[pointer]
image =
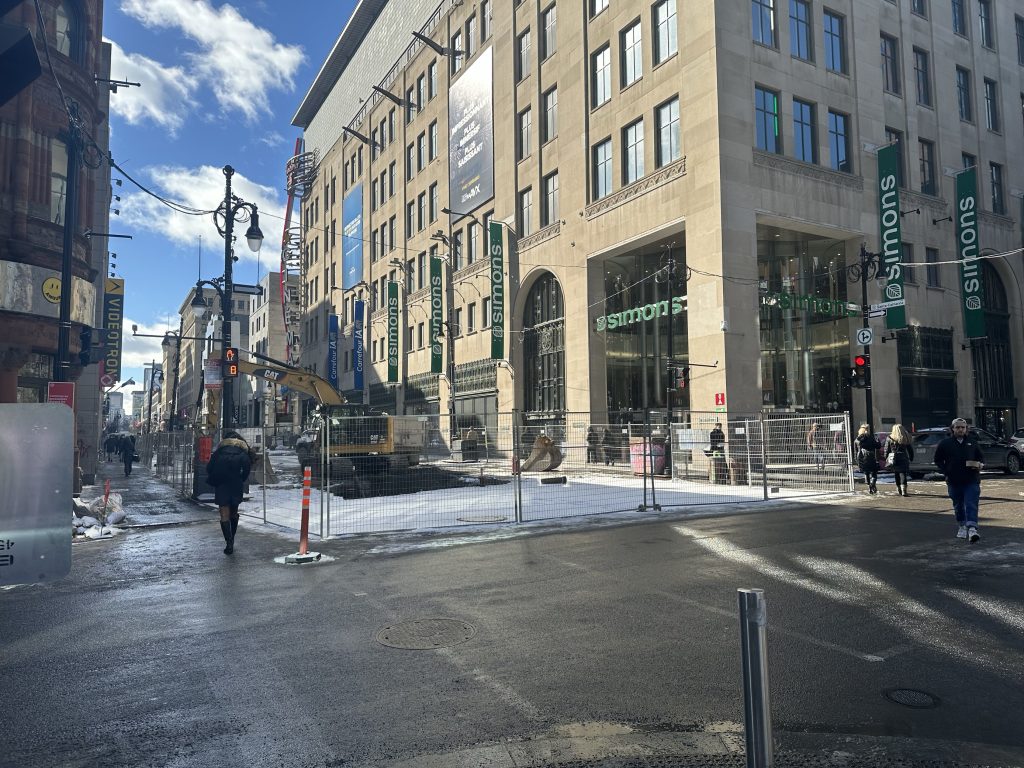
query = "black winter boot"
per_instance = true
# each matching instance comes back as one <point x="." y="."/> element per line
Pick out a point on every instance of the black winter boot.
<point x="229" y="536"/>
<point x="234" y="528"/>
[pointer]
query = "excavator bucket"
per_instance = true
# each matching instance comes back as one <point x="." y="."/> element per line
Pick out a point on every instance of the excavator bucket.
<point x="544" y="457"/>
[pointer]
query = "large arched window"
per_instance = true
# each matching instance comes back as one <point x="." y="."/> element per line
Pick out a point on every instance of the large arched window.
<point x="68" y="30"/>
<point x="992" y="356"/>
<point x="544" y="346"/>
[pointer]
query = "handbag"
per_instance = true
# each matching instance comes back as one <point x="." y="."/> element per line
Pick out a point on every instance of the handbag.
<point x="135" y="458"/>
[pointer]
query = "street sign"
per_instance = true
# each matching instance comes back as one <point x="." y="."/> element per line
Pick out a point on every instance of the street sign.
<point x="61" y="392"/>
<point x="889" y="304"/>
<point x="865" y="336"/>
<point x="248" y="290"/>
<point x="877" y="313"/>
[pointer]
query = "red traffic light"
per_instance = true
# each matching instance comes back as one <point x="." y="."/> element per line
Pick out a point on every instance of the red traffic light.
<point x="860" y="360"/>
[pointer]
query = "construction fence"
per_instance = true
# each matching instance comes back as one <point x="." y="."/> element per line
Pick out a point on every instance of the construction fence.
<point x="387" y="473"/>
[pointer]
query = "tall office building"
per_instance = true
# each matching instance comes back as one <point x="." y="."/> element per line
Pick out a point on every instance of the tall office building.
<point x="676" y="186"/>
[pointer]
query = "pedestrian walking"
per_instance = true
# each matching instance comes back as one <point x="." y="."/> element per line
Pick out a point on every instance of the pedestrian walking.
<point x="227" y="470"/>
<point x="867" y="447"/>
<point x="898" y="454"/>
<point x="960" y="459"/>
<point x="593" y="441"/>
<point x="716" y="440"/>
<point x="611" y="446"/>
<point x="815" y="447"/>
<point x="127" y="451"/>
<point x="110" y="446"/>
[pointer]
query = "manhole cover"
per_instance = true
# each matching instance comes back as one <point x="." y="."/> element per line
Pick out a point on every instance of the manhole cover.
<point x="424" y="634"/>
<point x="909" y="697"/>
<point x="483" y="519"/>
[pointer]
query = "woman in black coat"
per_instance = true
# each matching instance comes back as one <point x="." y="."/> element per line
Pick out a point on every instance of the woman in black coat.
<point x="867" y="447"/>
<point x="227" y="470"/>
<point x="127" y="451"/>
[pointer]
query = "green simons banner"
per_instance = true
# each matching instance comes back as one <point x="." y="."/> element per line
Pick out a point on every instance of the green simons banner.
<point x="392" y="332"/>
<point x="436" y="315"/>
<point x="890" y="237"/>
<point x="967" y="251"/>
<point x="497" y="251"/>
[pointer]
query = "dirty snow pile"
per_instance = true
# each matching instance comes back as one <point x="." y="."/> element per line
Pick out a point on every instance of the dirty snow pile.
<point x="98" y="518"/>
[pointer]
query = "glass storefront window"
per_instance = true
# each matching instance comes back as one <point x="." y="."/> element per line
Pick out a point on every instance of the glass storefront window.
<point x="635" y="324"/>
<point x="804" y="318"/>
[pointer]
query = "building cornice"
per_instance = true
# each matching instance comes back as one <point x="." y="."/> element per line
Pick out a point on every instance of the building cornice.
<point x="808" y="171"/>
<point x="640" y="187"/>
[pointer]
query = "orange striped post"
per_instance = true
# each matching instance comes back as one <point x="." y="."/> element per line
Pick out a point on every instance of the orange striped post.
<point x="304" y="555"/>
<point x="307" y="479"/>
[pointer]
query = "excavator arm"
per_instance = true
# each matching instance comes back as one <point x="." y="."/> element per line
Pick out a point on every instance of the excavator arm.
<point x="301" y="381"/>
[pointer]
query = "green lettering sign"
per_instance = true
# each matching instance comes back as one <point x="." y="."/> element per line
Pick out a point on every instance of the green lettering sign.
<point x="890" y="237"/>
<point x="971" y="288"/>
<point x="497" y="270"/>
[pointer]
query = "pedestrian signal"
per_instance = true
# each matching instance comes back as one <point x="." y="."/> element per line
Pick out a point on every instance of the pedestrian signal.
<point x="231" y="363"/>
<point x="85" y="347"/>
<point x="682" y="377"/>
<point x="859" y="372"/>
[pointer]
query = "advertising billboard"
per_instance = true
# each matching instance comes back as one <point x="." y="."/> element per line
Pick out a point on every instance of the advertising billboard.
<point x="471" y="136"/>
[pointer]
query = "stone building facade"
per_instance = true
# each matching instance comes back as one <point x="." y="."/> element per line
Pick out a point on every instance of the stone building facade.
<point x="33" y="190"/>
<point x="680" y="186"/>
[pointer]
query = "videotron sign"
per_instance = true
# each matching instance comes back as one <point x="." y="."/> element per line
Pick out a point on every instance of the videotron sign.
<point x="113" y="319"/>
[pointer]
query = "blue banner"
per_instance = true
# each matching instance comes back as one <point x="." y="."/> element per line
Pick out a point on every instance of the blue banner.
<point x="352" y="237"/>
<point x="332" y="350"/>
<point x="357" y="346"/>
<point x="471" y="137"/>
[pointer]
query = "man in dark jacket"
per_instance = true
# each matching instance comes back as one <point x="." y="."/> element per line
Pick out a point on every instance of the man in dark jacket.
<point x="960" y="459"/>
<point x="127" y="451"/>
<point x="227" y="471"/>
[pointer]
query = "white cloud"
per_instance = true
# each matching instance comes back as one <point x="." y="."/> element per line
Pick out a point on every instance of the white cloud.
<point x="237" y="59"/>
<point x="272" y="139"/>
<point x="138" y="352"/>
<point x="201" y="188"/>
<point x="164" y="96"/>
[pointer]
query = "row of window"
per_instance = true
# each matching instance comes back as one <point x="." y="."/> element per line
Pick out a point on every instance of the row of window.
<point x="631" y="59"/>
<point x="417" y="336"/>
<point x="765" y="29"/>
<point x="893" y="83"/>
<point x="667" y="149"/>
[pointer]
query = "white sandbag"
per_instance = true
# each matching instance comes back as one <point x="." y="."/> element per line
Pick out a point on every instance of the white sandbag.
<point x="89" y="521"/>
<point x="116" y="517"/>
<point x="79" y="507"/>
<point x="96" y="532"/>
<point x="76" y="521"/>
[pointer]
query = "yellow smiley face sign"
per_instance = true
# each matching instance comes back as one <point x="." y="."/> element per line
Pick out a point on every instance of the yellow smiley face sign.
<point x="51" y="289"/>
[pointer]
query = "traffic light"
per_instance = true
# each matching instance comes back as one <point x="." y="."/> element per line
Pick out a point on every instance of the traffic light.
<point x="231" y="363"/>
<point x="85" y="347"/>
<point x="682" y="377"/>
<point x="859" y="374"/>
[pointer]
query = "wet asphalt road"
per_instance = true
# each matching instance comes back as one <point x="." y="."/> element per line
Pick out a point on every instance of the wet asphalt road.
<point x="158" y="650"/>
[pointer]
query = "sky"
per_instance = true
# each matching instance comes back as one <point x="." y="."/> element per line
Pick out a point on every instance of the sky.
<point x="220" y="83"/>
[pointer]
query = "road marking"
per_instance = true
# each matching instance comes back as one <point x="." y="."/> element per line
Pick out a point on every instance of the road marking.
<point x="505" y="692"/>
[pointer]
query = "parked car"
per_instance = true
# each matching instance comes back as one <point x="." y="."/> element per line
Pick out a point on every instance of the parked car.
<point x="1017" y="438"/>
<point x="999" y="453"/>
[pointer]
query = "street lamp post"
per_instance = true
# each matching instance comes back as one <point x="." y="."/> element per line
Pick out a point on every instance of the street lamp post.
<point x="166" y="343"/>
<point x="868" y="267"/>
<point x="224" y="218"/>
<point x="149" y="407"/>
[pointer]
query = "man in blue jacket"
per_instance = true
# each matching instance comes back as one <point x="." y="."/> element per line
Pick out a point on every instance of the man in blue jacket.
<point x="960" y="459"/>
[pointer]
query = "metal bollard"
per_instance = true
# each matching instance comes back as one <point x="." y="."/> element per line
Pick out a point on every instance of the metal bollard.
<point x="757" y="712"/>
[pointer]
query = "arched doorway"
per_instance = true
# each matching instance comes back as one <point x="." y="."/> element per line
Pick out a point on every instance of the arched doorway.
<point x="544" y="350"/>
<point x="994" y="395"/>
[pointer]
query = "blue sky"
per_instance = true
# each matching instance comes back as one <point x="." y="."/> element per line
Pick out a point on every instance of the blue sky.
<point x="220" y="83"/>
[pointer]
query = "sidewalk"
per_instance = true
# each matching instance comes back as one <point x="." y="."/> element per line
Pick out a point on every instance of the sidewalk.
<point x="147" y="500"/>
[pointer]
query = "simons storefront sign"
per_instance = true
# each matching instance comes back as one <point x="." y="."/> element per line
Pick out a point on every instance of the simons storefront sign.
<point x="971" y="288"/>
<point x="890" y="235"/>
<point x="835" y="307"/>
<point x="638" y="314"/>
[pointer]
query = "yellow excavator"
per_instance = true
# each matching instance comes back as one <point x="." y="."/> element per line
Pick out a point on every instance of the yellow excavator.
<point x="355" y="431"/>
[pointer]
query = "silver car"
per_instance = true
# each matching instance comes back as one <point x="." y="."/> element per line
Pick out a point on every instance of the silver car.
<point x="999" y="453"/>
